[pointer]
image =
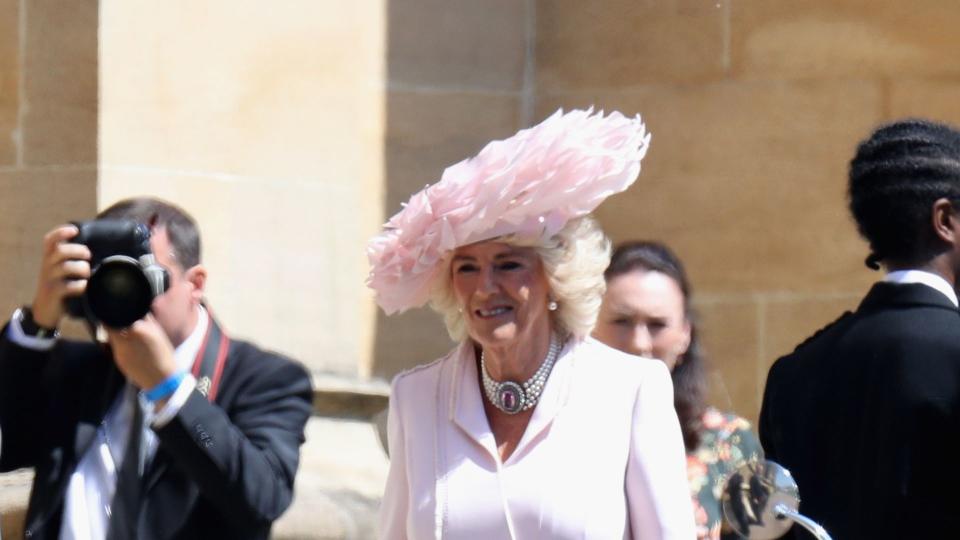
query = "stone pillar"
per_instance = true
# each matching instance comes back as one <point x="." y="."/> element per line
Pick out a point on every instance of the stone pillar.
<point x="265" y="121"/>
<point x="48" y="131"/>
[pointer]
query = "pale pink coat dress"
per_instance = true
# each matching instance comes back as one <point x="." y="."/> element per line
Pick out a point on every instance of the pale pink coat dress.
<point x="602" y="456"/>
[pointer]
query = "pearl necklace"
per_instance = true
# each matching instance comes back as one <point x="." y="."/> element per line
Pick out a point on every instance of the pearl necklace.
<point x="511" y="397"/>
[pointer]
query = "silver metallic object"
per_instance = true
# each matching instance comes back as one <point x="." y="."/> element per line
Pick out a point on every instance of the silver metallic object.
<point x="760" y="502"/>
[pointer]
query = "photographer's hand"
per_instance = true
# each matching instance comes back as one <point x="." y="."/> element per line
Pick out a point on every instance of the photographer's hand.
<point x="143" y="353"/>
<point x="64" y="270"/>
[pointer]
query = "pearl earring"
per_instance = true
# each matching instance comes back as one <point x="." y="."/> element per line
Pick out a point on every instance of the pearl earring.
<point x="552" y="305"/>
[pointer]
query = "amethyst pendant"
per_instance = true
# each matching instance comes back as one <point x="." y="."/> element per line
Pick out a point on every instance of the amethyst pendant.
<point x="510" y="397"/>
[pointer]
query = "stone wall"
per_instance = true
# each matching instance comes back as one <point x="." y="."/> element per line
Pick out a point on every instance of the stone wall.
<point x="266" y="122"/>
<point x="257" y="121"/>
<point x="48" y="131"/>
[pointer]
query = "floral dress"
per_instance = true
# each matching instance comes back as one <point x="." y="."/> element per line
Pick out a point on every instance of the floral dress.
<point x="726" y="443"/>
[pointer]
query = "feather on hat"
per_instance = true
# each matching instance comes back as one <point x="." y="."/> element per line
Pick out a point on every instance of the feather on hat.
<point x="528" y="185"/>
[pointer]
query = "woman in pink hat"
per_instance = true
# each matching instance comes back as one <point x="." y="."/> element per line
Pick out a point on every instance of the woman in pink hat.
<point x="528" y="428"/>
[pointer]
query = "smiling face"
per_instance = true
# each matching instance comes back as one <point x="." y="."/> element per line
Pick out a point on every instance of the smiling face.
<point x="503" y="292"/>
<point x="643" y="314"/>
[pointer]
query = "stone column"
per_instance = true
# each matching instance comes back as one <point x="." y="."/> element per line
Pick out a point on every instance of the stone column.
<point x="265" y="121"/>
<point x="48" y="131"/>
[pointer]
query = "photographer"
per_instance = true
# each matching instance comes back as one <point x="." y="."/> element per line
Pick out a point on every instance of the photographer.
<point x="222" y="421"/>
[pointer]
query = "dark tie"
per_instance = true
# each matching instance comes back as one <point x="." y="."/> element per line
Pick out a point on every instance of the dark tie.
<point x="126" y="500"/>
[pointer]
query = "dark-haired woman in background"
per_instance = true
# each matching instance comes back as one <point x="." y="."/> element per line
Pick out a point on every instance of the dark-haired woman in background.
<point x="647" y="312"/>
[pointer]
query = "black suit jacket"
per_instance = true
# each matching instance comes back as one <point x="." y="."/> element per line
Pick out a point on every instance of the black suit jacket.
<point x="866" y="415"/>
<point x="222" y="470"/>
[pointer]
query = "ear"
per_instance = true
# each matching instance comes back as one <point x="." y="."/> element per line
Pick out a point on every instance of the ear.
<point x="946" y="224"/>
<point x="197" y="276"/>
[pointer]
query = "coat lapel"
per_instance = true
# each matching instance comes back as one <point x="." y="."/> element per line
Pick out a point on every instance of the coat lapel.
<point x="552" y="399"/>
<point x="466" y="402"/>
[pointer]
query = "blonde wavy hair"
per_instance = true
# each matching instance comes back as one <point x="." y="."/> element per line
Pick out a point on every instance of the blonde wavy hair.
<point x="573" y="260"/>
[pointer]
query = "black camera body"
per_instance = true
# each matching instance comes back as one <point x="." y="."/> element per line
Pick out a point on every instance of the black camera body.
<point x="125" y="276"/>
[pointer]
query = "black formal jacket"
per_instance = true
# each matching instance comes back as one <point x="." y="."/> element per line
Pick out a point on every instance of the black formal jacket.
<point x="222" y="470"/>
<point x="866" y="415"/>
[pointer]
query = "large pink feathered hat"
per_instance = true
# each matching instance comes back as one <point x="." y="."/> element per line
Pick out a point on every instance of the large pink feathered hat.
<point x="527" y="186"/>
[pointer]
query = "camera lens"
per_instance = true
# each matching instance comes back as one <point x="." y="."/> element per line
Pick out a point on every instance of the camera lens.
<point x="118" y="293"/>
<point x="119" y="282"/>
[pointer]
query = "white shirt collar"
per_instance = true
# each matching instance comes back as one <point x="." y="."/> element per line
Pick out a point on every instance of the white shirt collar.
<point x="927" y="278"/>
<point x="186" y="352"/>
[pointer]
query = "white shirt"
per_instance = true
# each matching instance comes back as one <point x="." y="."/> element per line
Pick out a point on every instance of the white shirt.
<point x="94" y="481"/>
<point x="602" y="455"/>
<point x="927" y="278"/>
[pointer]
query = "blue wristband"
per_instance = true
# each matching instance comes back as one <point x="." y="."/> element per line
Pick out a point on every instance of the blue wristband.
<point x="165" y="388"/>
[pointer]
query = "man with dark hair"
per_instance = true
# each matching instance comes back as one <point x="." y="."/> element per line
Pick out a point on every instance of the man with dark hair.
<point x="170" y="429"/>
<point x="866" y="413"/>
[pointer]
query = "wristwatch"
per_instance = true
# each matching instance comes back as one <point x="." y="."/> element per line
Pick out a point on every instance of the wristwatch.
<point x="32" y="329"/>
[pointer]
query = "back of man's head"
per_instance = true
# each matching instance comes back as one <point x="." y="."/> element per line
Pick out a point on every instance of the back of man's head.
<point x="895" y="177"/>
<point x="180" y="227"/>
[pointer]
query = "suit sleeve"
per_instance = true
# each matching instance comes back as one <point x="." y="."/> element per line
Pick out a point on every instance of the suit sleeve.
<point x="658" y="495"/>
<point x="393" y="509"/>
<point x="22" y="403"/>
<point x="43" y="394"/>
<point x="245" y="463"/>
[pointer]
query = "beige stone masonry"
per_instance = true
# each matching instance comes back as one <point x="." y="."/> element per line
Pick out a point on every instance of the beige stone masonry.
<point x="843" y="39"/>
<point x="936" y="99"/>
<point x="59" y="124"/>
<point x="32" y="202"/>
<point x="429" y="131"/>
<point x="791" y="320"/>
<point x="621" y="43"/>
<point x="9" y="80"/>
<point x="746" y="181"/>
<point x="457" y="44"/>
<point x="730" y="335"/>
<point x="412" y="338"/>
<point x="265" y="125"/>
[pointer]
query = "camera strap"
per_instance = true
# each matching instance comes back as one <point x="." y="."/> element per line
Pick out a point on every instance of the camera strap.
<point x="208" y="366"/>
